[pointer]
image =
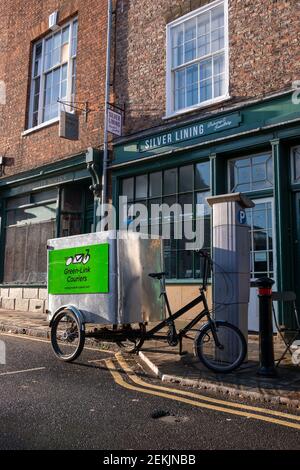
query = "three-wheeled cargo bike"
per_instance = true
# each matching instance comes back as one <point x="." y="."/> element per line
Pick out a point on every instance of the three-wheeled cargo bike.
<point x="110" y="286"/>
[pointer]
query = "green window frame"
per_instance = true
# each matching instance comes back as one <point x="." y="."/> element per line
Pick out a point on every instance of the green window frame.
<point x="186" y="184"/>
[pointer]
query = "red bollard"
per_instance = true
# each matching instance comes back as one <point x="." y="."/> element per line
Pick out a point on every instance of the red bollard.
<point x="266" y="346"/>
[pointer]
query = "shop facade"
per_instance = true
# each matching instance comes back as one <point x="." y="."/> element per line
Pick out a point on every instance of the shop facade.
<point x="252" y="148"/>
<point x="52" y="201"/>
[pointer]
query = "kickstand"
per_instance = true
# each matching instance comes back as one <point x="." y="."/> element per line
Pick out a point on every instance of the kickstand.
<point x="181" y="353"/>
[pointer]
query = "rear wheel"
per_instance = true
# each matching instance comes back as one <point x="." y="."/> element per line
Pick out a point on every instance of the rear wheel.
<point x="67" y="336"/>
<point x="135" y="337"/>
<point x="221" y="346"/>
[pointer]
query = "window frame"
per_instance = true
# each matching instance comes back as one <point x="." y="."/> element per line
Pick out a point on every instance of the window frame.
<point x="294" y="181"/>
<point x="42" y="123"/>
<point x="170" y="82"/>
<point x="245" y="157"/>
<point x="176" y="194"/>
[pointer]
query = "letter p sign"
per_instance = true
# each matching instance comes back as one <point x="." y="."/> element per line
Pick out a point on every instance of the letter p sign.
<point x="242" y="217"/>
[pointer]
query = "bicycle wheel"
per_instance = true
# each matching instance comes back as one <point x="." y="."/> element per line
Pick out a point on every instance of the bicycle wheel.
<point x="135" y="338"/>
<point x="229" y="354"/>
<point x="67" y="336"/>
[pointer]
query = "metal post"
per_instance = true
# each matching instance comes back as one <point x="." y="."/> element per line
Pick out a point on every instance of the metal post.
<point x="107" y="95"/>
<point x="266" y="346"/>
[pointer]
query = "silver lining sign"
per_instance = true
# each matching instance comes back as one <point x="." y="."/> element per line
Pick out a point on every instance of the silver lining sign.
<point x="193" y="131"/>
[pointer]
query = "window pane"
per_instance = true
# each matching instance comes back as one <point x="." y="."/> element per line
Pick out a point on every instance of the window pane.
<point x="217" y="40"/>
<point x="170" y="179"/>
<point x="185" y="264"/>
<point x="205" y="90"/>
<point x="249" y="174"/>
<point x="204" y="34"/>
<point x="203" y="45"/>
<point x="65" y="35"/>
<point x="219" y="85"/>
<point x="186" y="203"/>
<point x="192" y="85"/>
<point x="296" y="157"/>
<point x="155" y="188"/>
<point x="205" y="69"/>
<point x="186" y="178"/>
<point x="74" y="71"/>
<point x="127" y="188"/>
<point x="179" y="99"/>
<point x="170" y="264"/>
<point x="74" y="38"/>
<point x="141" y="186"/>
<point x="204" y="24"/>
<point x="217" y="18"/>
<point x="219" y="64"/>
<point x="202" y="208"/>
<point x="202" y="175"/>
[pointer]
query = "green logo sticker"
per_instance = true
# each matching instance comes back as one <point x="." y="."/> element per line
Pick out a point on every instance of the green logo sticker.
<point x="81" y="270"/>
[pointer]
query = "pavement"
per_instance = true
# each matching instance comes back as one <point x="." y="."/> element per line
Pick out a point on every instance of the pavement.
<point x="106" y="401"/>
<point x="164" y="362"/>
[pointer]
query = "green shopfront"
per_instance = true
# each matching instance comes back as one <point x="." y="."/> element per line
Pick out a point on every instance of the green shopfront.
<point x="51" y="201"/>
<point x="254" y="149"/>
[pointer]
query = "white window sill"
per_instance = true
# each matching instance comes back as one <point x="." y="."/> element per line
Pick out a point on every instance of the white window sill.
<point x="206" y="104"/>
<point x="40" y="126"/>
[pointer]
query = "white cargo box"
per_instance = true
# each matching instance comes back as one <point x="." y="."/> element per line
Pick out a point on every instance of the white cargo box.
<point x="105" y="275"/>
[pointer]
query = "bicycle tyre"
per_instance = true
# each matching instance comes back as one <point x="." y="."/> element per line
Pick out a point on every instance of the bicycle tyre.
<point x="131" y="347"/>
<point x="55" y="342"/>
<point x="205" y="332"/>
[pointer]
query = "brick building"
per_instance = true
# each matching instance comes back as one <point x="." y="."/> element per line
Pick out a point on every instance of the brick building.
<point x="208" y="92"/>
<point x="44" y="183"/>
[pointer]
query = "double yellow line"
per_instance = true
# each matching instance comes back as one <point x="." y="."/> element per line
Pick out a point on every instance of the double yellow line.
<point x="195" y="399"/>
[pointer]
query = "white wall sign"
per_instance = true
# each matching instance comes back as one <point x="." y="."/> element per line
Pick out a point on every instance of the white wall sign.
<point x="114" y="122"/>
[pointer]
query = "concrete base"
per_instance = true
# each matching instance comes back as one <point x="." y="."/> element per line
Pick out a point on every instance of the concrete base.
<point x="24" y="299"/>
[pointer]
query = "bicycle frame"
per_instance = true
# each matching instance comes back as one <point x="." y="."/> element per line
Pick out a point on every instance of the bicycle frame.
<point x="172" y="317"/>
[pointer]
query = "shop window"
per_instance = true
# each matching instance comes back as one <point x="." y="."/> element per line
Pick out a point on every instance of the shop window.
<point x="197" y="58"/>
<point x="296" y="165"/>
<point x="53" y="73"/>
<point x="30" y="222"/>
<point x="252" y="173"/>
<point x="186" y="185"/>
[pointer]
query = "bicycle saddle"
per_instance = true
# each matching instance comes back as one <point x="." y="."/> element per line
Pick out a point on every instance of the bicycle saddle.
<point x="157" y="275"/>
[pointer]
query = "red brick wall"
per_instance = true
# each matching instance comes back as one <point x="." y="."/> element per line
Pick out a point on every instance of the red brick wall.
<point x="264" y="39"/>
<point x="27" y="22"/>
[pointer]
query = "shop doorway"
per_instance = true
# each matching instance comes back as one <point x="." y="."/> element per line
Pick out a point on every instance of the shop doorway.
<point x="297" y="248"/>
<point x="77" y="209"/>
<point x="263" y="251"/>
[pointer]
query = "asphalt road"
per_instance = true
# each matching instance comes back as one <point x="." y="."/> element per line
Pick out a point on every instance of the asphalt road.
<point x="47" y="404"/>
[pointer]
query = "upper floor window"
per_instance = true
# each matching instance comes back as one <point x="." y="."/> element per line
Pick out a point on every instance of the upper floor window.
<point x="53" y="73"/>
<point x="197" y="58"/>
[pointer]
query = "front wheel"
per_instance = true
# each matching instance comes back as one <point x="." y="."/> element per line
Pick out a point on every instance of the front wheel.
<point x="67" y="336"/>
<point x="221" y="346"/>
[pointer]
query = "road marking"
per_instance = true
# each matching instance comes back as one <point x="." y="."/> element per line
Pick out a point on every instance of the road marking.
<point x="23" y="371"/>
<point x="139" y="381"/>
<point x="96" y="361"/>
<point x="39" y="340"/>
<point x="119" y="380"/>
